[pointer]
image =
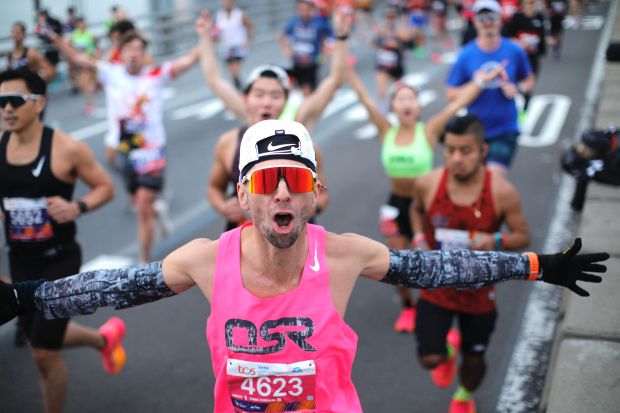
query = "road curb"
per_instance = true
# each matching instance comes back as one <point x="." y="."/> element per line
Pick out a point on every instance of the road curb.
<point x="532" y="364"/>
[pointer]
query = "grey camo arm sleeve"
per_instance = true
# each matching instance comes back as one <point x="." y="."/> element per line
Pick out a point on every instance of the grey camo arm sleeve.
<point x="462" y="269"/>
<point x="85" y="292"/>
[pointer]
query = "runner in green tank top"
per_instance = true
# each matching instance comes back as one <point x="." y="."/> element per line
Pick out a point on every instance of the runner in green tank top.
<point x="406" y="154"/>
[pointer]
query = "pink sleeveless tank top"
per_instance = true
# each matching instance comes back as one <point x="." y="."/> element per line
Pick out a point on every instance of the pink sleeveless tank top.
<point x="288" y="353"/>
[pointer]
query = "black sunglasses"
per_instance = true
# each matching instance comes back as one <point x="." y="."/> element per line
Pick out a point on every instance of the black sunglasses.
<point x="16" y="99"/>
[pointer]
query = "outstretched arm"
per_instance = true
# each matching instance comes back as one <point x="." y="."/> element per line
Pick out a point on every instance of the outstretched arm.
<point x="311" y="109"/>
<point x="473" y="269"/>
<point x="84" y="293"/>
<point x="232" y="99"/>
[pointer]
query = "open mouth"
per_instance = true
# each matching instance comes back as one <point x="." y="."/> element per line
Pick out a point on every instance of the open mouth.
<point x="265" y="116"/>
<point x="283" y="219"/>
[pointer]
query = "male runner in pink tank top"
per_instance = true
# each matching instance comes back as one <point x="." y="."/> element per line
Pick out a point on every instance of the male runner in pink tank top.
<point x="279" y="288"/>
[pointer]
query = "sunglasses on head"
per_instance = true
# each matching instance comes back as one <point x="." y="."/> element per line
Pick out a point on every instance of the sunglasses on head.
<point x="265" y="181"/>
<point x="16" y="99"/>
<point x="487" y="17"/>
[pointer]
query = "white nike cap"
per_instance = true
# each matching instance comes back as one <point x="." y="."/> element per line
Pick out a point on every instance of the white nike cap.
<point x="486" y="5"/>
<point x="276" y="139"/>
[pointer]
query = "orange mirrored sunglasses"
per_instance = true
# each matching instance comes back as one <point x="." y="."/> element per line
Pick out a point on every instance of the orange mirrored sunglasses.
<point x="265" y="181"/>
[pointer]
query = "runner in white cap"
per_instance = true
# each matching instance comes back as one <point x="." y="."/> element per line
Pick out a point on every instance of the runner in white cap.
<point x="284" y="345"/>
<point x="264" y="96"/>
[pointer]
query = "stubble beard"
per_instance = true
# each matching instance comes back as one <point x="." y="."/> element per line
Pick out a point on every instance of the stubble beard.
<point x="283" y="241"/>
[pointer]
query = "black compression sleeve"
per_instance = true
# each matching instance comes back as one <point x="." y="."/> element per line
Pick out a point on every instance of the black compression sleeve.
<point x="85" y="292"/>
<point x="461" y="269"/>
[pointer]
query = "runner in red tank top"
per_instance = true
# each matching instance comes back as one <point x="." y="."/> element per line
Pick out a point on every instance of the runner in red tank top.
<point x="462" y="205"/>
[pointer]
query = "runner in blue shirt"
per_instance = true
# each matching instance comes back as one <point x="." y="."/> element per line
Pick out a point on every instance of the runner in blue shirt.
<point x="302" y="41"/>
<point x="496" y="104"/>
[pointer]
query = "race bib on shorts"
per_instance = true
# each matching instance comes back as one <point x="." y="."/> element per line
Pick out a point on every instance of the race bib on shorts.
<point x="531" y="41"/>
<point x="146" y="160"/>
<point x="387" y="58"/>
<point x="27" y="219"/>
<point x="450" y="239"/>
<point x="271" y="387"/>
<point x="388" y="226"/>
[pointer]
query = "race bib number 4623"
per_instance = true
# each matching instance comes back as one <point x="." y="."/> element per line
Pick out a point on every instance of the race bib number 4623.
<point x="271" y="387"/>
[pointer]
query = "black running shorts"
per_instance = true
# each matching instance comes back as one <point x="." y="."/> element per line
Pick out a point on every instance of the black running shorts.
<point x="434" y="322"/>
<point x="61" y="262"/>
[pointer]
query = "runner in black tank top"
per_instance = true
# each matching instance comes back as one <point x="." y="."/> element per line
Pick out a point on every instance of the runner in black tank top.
<point x="39" y="168"/>
<point x="21" y="56"/>
<point x="28" y="228"/>
<point x="20" y="62"/>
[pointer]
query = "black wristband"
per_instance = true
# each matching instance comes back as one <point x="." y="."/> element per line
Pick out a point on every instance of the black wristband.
<point x="343" y="38"/>
<point x="25" y="295"/>
<point x="82" y="206"/>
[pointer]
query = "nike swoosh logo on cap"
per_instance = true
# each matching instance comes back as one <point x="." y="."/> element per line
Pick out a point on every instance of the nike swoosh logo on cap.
<point x="37" y="171"/>
<point x="272" y="147"/>
<point x="316" y="266"/>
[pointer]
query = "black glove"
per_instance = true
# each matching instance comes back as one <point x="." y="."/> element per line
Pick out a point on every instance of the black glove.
<point x="17" y="299"/>
<point x="566" y="268"/>
<point x="9" y="306"/>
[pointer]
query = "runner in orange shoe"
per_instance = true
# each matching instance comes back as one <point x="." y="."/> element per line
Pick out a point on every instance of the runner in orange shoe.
<point x="462" y="205"/>
<point x="39" y="168"/>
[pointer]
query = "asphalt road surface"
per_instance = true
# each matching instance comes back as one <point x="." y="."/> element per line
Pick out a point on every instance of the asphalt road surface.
<point x="169" y="363"/>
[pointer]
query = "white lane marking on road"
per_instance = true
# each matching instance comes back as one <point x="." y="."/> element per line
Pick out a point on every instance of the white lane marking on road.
<point x="103" y="262"/>
<point x="201" y="110"/>
<point x="366" y="132"/>
<point x="99" y="112"/>
<point x="342" y="99"/>
<point x="584" y="23"/>
<point x="449" y="58"/>
<point x="426" y="97"/>
<point x="550" y="131"/>
<point x="356" y="114"/>
<point x="89" y="131"/>
<point x="417" y="79"/>
<point x="169" y="93"/>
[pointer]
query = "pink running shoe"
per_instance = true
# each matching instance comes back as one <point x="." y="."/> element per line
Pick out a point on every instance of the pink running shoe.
<point x="113" y="354"/>
<point x="443" y="375"/>
<point x="405" y="323"/>
<point x="457" y="406"/>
